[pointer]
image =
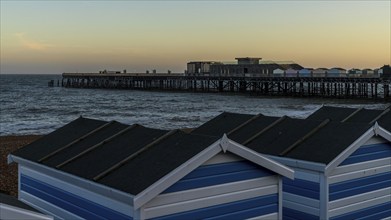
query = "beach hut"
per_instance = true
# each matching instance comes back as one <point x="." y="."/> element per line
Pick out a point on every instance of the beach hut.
<point x="291" y="73"/>
<point x="336" y="72"/>
<point x="278" y="73"/>
<point x="342" y="166"/>
<point x="319" y="72"/>
<point x="94" y="169"/>
<point x="306" y="72"/>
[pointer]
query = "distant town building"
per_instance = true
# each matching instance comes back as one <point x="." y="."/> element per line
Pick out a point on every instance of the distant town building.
<point x="245" y="67"/>
<point x="386" y="71"/>
<point x="199" y="67"/>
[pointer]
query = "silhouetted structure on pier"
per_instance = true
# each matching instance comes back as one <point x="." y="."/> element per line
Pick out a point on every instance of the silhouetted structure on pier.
<point x="364" y="88"/>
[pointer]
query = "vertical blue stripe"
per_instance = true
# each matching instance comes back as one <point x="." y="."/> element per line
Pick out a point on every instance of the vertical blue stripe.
<point x="242" y="209"/>
<point x="216" y="174"/>
<point x="68" y="201"/>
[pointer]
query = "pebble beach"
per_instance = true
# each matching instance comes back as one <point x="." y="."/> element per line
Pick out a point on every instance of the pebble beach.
<point x="9" y="172"/>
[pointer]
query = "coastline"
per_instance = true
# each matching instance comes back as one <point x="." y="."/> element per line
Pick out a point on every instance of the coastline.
<point x="9" y="173"/>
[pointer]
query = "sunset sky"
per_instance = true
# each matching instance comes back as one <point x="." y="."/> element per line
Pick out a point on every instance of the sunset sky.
<point x="88" y="36"/>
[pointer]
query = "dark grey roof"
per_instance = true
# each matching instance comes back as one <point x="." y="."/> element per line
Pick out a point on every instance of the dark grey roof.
<point x="332" y="113"/>
<point x="385" y="121"/>
<point x="157" y="161"/>
<point x="282" y="135"/>
<point x="128" y="158"/>
<point x="355" y="115"/>
<point x="316" y="139"/>
<point x="108" y="154"/>
<point x="58" y="138"/>
<point x="222" y="123"/>
<point x="328" y="142"/>
<point x="12" y="201"/>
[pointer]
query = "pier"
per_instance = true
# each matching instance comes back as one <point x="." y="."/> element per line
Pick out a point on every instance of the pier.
<point x="327" y="87"/>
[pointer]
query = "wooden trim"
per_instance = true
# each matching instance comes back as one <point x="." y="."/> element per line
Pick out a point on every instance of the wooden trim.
<point x="303" y="164"/>
<point x="340" y="170"/>
<point x="359" y="174"/>
<point x="198" y="193"/>
<point x="210" y="201"/>
<point x="359" y="205"/>
<point x="359" y="198"/>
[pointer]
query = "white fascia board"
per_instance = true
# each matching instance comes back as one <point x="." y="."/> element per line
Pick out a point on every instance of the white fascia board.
<point x="349" y="150"/>
<point x="260" y="159"/>
<point x="77" y="181"/>
<point x="177" y="174"/>
<point x="302" y="164"/>
<point x="382" y="132"/>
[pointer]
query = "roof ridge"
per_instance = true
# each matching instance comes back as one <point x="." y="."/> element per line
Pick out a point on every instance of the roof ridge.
<point x="305" y="137"/>
<point x="244" y="123"/>
<point x="96" y="145"/>
<point x="351" y="115"/>
<point x="75" y="141"/>
<point x="130" y="157"/>
<point x="265" y="129"/>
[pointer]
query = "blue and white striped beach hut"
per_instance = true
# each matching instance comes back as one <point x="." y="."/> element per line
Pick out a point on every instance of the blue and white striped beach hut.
<point x="107" y="170"/>
<point x="341" y="158"/>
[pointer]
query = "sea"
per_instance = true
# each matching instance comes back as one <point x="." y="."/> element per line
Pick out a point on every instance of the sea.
<point x="29" y="106"/>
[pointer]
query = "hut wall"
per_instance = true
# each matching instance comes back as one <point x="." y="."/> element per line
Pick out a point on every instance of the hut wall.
<point x="301" y="196"/>
<point x="361" y="185"/>
<point x="64" y="200"/>
<point x="226" y="187"/>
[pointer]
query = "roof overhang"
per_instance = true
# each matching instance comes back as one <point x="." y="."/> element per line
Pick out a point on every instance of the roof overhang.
<point x="375" y="130"/>
<point x="222" y="145"/>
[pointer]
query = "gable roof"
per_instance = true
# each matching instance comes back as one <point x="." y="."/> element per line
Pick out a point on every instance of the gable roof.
<point x="126" y="158"/>
<point x="319" y="138"/>
<point x="354" y="115"/>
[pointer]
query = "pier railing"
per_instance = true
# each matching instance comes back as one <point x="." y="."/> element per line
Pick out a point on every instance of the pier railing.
<point x="364" y="88"/>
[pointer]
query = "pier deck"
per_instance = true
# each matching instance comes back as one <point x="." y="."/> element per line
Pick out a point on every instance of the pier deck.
<point x="360" y="88"/>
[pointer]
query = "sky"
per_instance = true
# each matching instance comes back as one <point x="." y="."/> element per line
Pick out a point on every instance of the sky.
<point x="52" y="37"/>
